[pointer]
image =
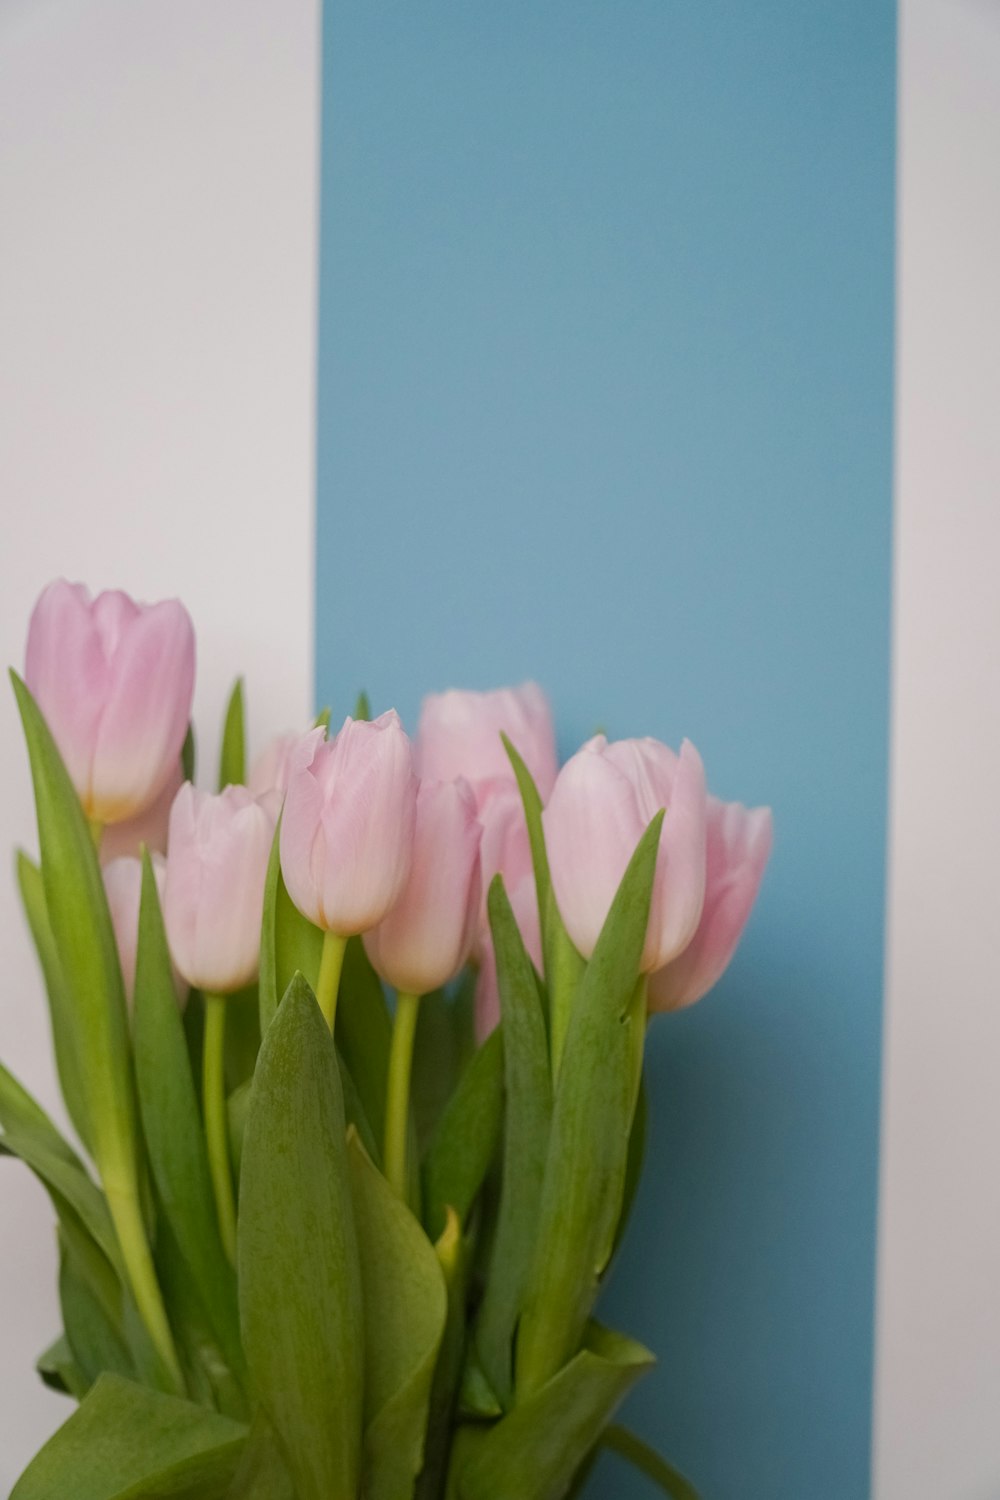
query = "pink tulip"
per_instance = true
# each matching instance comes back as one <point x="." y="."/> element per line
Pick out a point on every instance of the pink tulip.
<point x="739" y="843"/>
<point x="114" y="680"/>
<point x="148" y="827"/>
<point x="347" y="827"/>
<point x="427" y="936"/>
<point x="602" y="803"/>
<point x="123" y="886"/>
<point x="218" y="850"/>
<point x="273" y="767"/>
<point x="459" y="735"/>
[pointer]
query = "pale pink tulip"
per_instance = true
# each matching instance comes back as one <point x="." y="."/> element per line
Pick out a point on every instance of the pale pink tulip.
<point x="218" y="850"/>
<point x="459" y="735"/>
<point x="149" y="827"/>
<point x="347" y="826"/>
<point x="603" y="801"/>
<point x="739" y="843"/>
<point x="274" y="765"/>
<point x="427" y="936"/>
<point x="114" y="680"/>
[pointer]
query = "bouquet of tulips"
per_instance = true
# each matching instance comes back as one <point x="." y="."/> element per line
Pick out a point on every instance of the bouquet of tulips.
<point x="352" y="1048"/>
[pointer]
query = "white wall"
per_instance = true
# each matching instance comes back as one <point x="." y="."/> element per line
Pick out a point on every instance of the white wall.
<point x="158" y="185"/>
<point x="938" y="1347"/>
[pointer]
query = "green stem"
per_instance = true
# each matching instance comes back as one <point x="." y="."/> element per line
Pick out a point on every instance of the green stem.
<point x="216" y="1128"/>
<point x="328" y="984"/>
<point x="126" y="1215"/>
<point x="397" y="1104"/>
<point x="670" y="1480"/>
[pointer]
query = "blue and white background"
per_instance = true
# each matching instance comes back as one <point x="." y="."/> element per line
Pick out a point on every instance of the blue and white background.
<point x="650" y="350"/>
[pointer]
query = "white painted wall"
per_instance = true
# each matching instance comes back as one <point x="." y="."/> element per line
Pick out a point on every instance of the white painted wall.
<point x="158" y="195"/>
<point x="938" y="1347"/>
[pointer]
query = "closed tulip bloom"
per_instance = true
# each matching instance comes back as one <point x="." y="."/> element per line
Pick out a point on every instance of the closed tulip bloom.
<point x="602" y="803"/>
<point x="273" y="767"/>
<point x="347" y="827"/>
<point x="114" y="680"/>
<point x="123" y="886"/>
<point x="427" y="936"/>
<point x="739" y="844"/>
<point x="218" y="850"/>
<point x="459" y="735"/>
<point x="150" y="827"/>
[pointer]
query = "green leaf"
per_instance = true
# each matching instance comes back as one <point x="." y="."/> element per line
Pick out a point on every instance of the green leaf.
<point x="591" y="1122"/>
<point x="563" y="964"/>
<point x="626" y="1445"/>
<point x="232" y="756"/>
<point x="59" y="1370"/>
<point x="466" y="1139"/>
<point x="527" y="1118"/>
<point x="92" y="1315"/>
<point x="84" y="938"/>
<point x="289" y="942"/>
<point x="634" y="1162"/>
<point x="175" y="1140"/>
<point x="208" y="1376"/>
<point x="128" y="1443"/>
<point x="188" y="755"/>
<point x="27" y="1132"/>
<point x="237" y="1108"/>
<point x="242" y="1042"/>
<point x="362" y="708"/>
<point x="263" y="1473"/>
<point x="300" y="1281"/>
<point x="61" y="1013"/>
<point x="405" y="1310"/>
<point x="364" y="1031"/>
<point x="535" y="1451"/>
<point x="453" y="1259"/>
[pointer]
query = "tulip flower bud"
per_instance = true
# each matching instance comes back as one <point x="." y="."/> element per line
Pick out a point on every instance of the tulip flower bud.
<point x="114" y="680"/>
<point x="218" y="849"/>
<point x="347" y="826"/>
<point x="149" y="827"/>
<point x="603" y="800"/>
<point x="123" y="887"/>
<point x="739" y="844"/>
<point x="459" y="735"/>
<point x="427" y="936"/>
<point x="271" y="770"/>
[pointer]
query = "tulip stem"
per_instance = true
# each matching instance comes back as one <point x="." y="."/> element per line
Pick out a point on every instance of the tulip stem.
<point x="216" y="1128"/>
<point x="397" y="1103"/>
<point x="328" y="984"/>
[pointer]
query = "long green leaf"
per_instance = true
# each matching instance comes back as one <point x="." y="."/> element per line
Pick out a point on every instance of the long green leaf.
<point x="289" y="942"/>
<point x="592" y="1115"/>
<point x="453" y="1258"/>
<point x="128" y="1443"/>
<point x="626" y="1445"/>
<point x="175" y="1140"/>
<point x="263" y="1473"/>
<point x="405" y="1310"/>
<point x="300" y="1281"/>
<point x="60" y="1371"/>
<point x="539" y="1446"/>
<point x="527" y="1119"/>
<point x="467" y="1137"/>
<point x="93" y="1332"/>
<point x="232" y="755"/>
<point x="61" y="1012"/>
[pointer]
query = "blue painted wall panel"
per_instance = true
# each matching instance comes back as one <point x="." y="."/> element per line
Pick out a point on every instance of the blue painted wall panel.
<point x="605" y="399"/>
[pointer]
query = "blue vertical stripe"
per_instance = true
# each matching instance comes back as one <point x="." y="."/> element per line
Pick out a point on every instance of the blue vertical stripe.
<point x="605" y="399"/>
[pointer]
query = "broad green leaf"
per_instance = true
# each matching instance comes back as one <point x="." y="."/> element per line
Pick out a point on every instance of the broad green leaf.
<point x="93" y="1330"/>
<point x="536" y="1450"/>
<point x="242" y="1036"/>
<point x="300" y="1281"/>
<point x="59" y="1370"/>
<point x="61" y="1012"/>
<point x="232" y="755"/>
<point x="208" y="1376"/>
<point x="289" y="942"/>
<point x="263" y="1473"/>
<point x="526" y="1133"/>
<point x="563" y="964"/>
<point x="84" y="938"/>
<point x="405" y="1303"/>
<point x="453" y="1259"/>
<point x="625" y="1444"/>
<point x="129" y="1443"/>
<point x="27" y="1132"/>
<point x="467" y="1137"/>
<point x="592" y="1115"/>
<point x="172" y="1126"/>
